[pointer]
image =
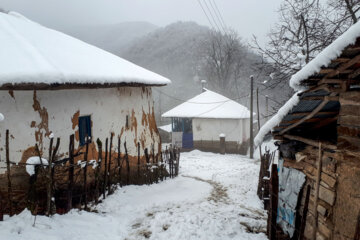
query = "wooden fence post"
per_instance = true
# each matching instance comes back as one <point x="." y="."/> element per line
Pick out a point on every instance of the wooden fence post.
<point x="53" y="169"/>
<point x="119" y="160"/>
<point x="304" y="214"/>
<point x="85" y="171"/>
<point x="166" y="160"/>
<point x="171" y="162"/>
<point x="155" y="169"/>
<point x="105" y="169"/>
<point x="127" y="165"/>
<point x="8" y="173"/>
<point x="109" y="165"/>
<point x="71" y="172"/>
<point x="138" y="163"/>
<point x="148" y="178"/>
<point x="49" y="183"/>
<point x="274" y="190"/>
<point x="1" y="210"/>
<point x="97" y="171"/>
<point x="177" y="161"/>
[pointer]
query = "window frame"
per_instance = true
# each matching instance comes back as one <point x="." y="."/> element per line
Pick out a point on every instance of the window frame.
<point x="88" y="131"/>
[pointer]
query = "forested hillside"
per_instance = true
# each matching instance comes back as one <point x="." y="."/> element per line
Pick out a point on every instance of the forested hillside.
<point x="182" y="51"/>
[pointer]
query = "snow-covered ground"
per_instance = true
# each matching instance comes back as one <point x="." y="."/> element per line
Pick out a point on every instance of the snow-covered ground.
<point x="213" y="198"/>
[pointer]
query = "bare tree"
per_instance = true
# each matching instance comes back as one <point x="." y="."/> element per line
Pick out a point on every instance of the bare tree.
<point x="223" y="56"/>
<point x="343" y="13"/>
<point x="300" y="34"/>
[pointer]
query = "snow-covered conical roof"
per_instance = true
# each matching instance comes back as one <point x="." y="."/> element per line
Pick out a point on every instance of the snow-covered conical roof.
<point x="34" y="54"/>
<point x="209" y="104"/>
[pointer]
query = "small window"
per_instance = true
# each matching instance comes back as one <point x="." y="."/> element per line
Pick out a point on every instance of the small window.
<point x="127" y="121"/>
<point x="84" y="129"/>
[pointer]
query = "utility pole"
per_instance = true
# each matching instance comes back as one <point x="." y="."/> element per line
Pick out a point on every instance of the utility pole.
<point x="258" y="115"/>
<point x="160" y="107"/>
<point x="267" y="107"/>
<point x="251" y="117"/>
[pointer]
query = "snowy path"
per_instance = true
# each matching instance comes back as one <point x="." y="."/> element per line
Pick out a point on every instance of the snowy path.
<point x="213" y="198"/>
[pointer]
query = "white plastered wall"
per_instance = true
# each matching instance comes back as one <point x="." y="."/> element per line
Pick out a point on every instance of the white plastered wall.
<point x="208" y="129"/>
<point x="107" y="107"/>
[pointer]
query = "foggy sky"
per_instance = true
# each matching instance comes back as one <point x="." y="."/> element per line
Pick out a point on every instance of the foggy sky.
<point x="248" y="17"/>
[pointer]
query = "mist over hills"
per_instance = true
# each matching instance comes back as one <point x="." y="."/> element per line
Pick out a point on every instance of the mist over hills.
<point x="176" y="52"/>
<point x="112" y="37"/>
<point x="173" y="52"/>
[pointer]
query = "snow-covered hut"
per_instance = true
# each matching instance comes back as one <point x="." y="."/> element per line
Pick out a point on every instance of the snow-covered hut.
<point x="318" y="133"/>
<point x="54" y="84"/>
<point x="199" y="122"/>
<point x="165" y="133"/>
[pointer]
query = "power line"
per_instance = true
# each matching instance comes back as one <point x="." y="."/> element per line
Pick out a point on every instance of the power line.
<point x="212" y="16"/>
<point x="221" y="18"/>
<point x="181" y="100"/>
<point x="270" y="98"/>
<point x="210" y="110"/>
<point x="217" y="16"/>
<point x="205" y="14"/>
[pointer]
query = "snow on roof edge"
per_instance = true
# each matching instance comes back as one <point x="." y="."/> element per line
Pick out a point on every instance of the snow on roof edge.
<point x="20" y="29"/>
<point x="325" y="57"/>
<point x="277" y="118"/>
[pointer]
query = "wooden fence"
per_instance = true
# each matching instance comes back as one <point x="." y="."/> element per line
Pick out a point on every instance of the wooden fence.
<point x="268" y="191"/>
<point x="60" y="184"/>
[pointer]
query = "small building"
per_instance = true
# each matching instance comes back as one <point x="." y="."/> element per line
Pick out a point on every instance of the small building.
<point x="165" y="133"/>
<point x="318" y="133"/>
<point x="52" y="84"/>
<point x="199" y="122"/>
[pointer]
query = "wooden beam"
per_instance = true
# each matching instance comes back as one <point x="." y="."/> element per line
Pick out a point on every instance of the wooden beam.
<point x="310" y="142"/>
<point x="325" y="87"/>
<point x="326" y="70"/>
<point x="343" y="67"/>
<point x="307" y="120"/>
<point x="355" y="73"/>
<point x="352" y="49"/>
<point x="319" y="113"/>
<point x="330" y="81"/>
<point x="341" y="60"/>
<point x="310" y="115"/>
<point x="331" y="98"/>
<point x="325" y="122"/>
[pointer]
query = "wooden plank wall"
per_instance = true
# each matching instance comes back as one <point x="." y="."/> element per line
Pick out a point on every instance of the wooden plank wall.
<point x="349" y="121"/>
<point x="306" y="162"/>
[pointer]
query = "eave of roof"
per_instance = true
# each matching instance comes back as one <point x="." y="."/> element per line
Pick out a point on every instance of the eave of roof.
<point x="36" y="57"/>
<point x="63" y="86"/>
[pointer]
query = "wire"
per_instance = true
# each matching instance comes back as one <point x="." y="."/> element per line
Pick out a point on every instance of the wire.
<point x="205" y="14"/>
<point x="218" y="17"/>
<point x="209" y="110"/>
<point x="271" y="99"/>
<point x="182" y="100"/>
<point x="212" y="16"/>
<point x="221" y="18"/>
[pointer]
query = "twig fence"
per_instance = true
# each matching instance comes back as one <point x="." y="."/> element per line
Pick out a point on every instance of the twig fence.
<point x="61" y="184"/>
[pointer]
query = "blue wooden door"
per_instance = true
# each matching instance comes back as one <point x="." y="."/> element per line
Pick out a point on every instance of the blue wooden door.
<point x="187" y="140"/>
